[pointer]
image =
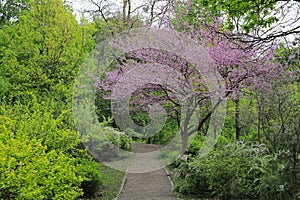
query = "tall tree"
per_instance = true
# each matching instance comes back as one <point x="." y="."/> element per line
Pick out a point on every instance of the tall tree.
<point x="43" y="51"/>
<point x="254" y="22"/>
<point x="240" y="69"/>
<point x="249" y="24"/>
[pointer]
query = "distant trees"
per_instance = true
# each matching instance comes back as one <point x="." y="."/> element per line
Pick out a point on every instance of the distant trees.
<point x="11" y="10"/>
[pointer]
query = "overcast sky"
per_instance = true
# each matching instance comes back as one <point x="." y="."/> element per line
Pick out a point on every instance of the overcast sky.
<point x="290" y="12"/>
<point x="82" y="5"/>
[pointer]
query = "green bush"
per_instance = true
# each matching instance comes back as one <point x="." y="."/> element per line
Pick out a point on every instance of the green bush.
<point x="166" y="134"/>
<point x="92" y="178"/>
<point x="29" y="171"/>
<point x="120" y="139"/>
<point x="195" y="147"/>
<point x="50" y="147"/>
<point x="226" y="173"/>
<point x="189" y="179"/>
<point x="38" y="120"/>
<point x="106" y="142"/>
<point x="276" y="181"/>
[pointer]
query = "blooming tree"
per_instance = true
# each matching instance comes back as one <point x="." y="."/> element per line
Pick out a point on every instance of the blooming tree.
<point x="239" y="68"/>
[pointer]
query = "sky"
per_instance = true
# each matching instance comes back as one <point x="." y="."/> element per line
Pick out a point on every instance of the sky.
<point x="290" y="11"/>
<point x="82" y="5"/>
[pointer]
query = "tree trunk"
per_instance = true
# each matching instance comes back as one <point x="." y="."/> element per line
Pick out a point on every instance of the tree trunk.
<point x="259" y="100"/>
<point x="237" y="119"/>
<point x="184" y="137"/>
<point x="125" y="2"/>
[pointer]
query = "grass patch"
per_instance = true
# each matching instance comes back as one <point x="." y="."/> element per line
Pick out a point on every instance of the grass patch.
<point x="112" y="180"/>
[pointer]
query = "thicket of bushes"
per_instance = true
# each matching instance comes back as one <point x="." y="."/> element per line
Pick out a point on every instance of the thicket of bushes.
<point x="235" y="171"/>
<point x="262" y="164"/>
<point x="40" y="157"/>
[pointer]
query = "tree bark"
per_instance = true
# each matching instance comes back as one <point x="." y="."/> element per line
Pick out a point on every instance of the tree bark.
<point x="259" y="123"/>
<point x="184" y="137"/>
<point x="237" y="119"/>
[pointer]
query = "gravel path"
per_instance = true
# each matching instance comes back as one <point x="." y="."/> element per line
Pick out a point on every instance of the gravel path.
<point x="146" y="179"/>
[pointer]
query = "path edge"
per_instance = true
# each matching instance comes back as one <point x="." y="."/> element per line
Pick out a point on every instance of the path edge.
<point x="170" y="180"/>
<point x="122" y="185"/>
<point x="168" y="175"/>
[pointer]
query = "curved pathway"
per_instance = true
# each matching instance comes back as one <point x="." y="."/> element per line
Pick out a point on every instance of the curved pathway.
<point x="146" y="178"/>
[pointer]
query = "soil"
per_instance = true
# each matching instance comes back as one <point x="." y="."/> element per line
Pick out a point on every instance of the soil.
<point x="146" y="178"/>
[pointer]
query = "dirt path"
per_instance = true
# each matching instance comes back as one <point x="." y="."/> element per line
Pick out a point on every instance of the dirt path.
<point x="146" y="179"/>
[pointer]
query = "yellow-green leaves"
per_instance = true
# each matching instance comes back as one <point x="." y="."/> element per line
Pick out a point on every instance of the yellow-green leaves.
<point x="43" y="51"/>
<point x="29" y="171"/>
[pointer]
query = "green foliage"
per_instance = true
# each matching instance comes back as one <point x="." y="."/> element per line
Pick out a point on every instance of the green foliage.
<point x="273" y="177"/>
<point x="48" y="139"/>
<point x="38" y="121"/>
<point x="291" y="56"/>
<point x="29" y="170"/>
<point x="281" y="131"/>
<point x="119" y="139"/>
<point x="107" y="143"/>
<point x="92" y="179"/>
<point x="226" y="173"/>
<point x="195" y="147"/>
<point x="167" y="133"/>
<point x="41" y="153"/>
<point x="251" y="14"/>
<point x="42" y="52"/>
<point x="235" y="170"/>
<point x="248" y="119"/>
